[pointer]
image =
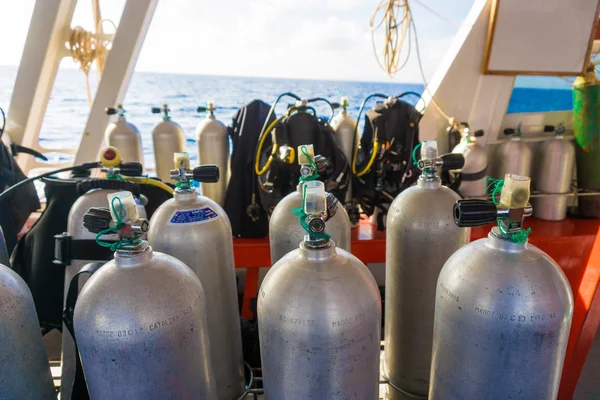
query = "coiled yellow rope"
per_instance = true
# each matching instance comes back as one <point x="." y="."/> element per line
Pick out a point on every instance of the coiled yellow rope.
<point x="86" y="48"/>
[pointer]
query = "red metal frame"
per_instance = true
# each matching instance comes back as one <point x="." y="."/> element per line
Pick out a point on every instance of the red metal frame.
<point x="573" y="244"/>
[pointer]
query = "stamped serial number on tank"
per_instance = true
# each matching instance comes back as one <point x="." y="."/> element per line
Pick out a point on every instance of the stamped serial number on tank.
<point x="297" y="321"/>
<point x="449" y="293"/>
<point x="8" y="304"/>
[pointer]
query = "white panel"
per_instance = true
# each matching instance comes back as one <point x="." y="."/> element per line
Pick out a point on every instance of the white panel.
<point x="544" y="36"/>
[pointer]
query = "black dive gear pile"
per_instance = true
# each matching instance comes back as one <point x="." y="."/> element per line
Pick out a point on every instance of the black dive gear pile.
<point x="278" y="168"/>
<point x="382" y="165"/>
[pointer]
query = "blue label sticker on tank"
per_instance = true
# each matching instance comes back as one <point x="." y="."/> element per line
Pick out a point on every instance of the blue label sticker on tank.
<point x="196" y="216"/>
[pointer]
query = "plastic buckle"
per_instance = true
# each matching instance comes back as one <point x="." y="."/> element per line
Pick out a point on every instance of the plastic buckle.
<point x="62" y="249"/>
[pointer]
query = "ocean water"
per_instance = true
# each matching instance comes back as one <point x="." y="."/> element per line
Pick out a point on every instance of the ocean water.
<point x="68" y="108"/>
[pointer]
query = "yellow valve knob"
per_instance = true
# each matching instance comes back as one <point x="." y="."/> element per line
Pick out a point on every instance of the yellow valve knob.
<point x="110" y="157"/>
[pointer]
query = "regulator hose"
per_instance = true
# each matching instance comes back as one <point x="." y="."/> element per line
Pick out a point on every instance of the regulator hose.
<point x="14" y="187"/>
<point x="147" y="181"/>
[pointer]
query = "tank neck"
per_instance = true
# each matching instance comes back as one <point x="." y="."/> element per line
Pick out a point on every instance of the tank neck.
<point x="129" y="258"/>
<point x="496" y="241"/>
<point x="429" y="182"/>
<point x="321" y="254"/>
<point x="185" y="195"/>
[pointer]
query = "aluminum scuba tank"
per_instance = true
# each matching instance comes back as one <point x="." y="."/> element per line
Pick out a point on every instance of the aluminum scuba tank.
<point x="124" y="136"/>
<point x="23" y="362"/>
<point x="503" y="309"/>
<point x="213" y="148"/>
<point x="420" y="237"/>
<point x="140" y="321"/>
<point x="168" y="138"/>
<point x="196" y="230"/>
<point x="553" y="176"/>
<point x="514" y="156"/>
<point x="319" y="318"/>
<point x="286" y="232"/>
<point x="472" y="175"/>
<point x="80" y="245"/>
<point x="345" y="135"/>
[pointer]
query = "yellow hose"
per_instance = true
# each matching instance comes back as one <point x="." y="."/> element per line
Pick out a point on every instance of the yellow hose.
<point x="148" y="181"/>
<point x="257" y="168"/>
<point x="371" y="160"/>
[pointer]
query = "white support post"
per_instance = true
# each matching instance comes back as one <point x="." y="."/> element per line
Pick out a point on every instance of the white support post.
<point x="118" y="70"/>
<point x="43" y="51"/>
<point x="460" y="88"/>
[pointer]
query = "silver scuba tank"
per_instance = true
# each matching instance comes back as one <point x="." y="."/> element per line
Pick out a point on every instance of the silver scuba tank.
<point x="124" y="136"/>
<point x="319" y="318"/>
<point x="77" y="246"/>
<point x="420" y="237"/>
<point x="503" y="309"/>
<point x="554" y="175"/>
<point x="514" y="156"/>
<point x="472" y="175"/>
<point x="196" y="230"/>
<point x="24" y="366"/>
<point x="140" y="321"/>
<point x="168" y="138"/>
<point x="344" y="127"/>
<point x="285" y="231"/>
<point x="213" y="148"/>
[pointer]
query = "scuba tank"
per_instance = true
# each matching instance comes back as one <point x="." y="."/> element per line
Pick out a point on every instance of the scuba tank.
<point x="319" y="317"/>
<point x="554" y="175"/>
<point x="196" y="230"/>
<point x="381" y="164"/>
<point x="420" y="237"/>
<point x="285" y="232"/>
<point x="345" y="135"/>
<point x="275" y="163"/>
<point x="140" y="320"/>
<point x="124" y="136"/>
<point x="213" y="148"/>
<point x="23" y="362"/>
<point x="471" y="177"/>
<point x="514" y="156"/>
<point x="168" y="138"/>
<point x="503" y="308"/>
<point x="586" y="101"/>
<point x="77" y="247"/>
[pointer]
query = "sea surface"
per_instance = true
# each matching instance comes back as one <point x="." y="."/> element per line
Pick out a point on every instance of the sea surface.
<point x="68" y="108"/>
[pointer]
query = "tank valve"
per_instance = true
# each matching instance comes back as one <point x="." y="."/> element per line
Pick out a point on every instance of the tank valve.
<point x="110" y="157"/>
<point x="210" y="108"/>
<point x="165" y="110"/>
<point x="314" y="213"/>
<point x="509" y="212"/>
<point x="121" y="218"/>
<point x="208" y="173"/>
<point x="430" y="161"/>
<point x="115" y="110"/>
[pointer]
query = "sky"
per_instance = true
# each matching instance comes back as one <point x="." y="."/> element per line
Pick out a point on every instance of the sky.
<point x="311" y="39"/>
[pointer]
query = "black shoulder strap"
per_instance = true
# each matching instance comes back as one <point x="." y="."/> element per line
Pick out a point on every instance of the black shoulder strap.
<point x="79" y="386"/>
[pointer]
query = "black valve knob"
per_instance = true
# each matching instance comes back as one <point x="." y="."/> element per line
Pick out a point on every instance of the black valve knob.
<point x="201" y="109"/>
<point x="465" y="124"/>
<point x="474" y="212"/>
<point x="478" y="133"/>
<point x="97" y="219"/>
<point x="208" y="173"/>
<point x="111" y="110"/>
<point x="452" y="161"/>
<point x="157" y="110"/>
<point x="548" y="128"/>
<point x="335" y="105"/>
<point x="132" y="168"/>
<point x="509" y="131"/>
